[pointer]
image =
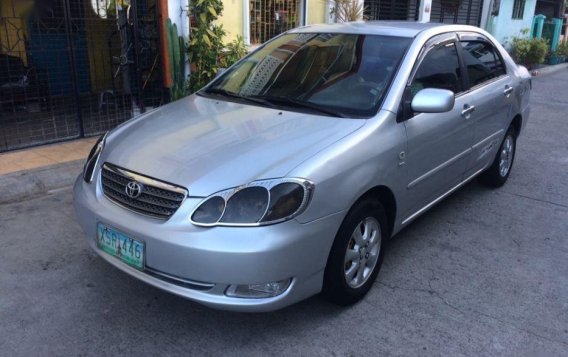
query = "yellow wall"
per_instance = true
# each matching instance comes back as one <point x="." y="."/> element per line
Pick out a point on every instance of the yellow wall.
<point x="232" y="18"/>
<point x="13" y="27"/>
<point x="97" y="32"/>
<point x="316" y="11"/>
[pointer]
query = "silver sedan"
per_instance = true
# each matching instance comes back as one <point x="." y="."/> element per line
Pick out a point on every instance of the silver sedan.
<point x="287" y="174"/>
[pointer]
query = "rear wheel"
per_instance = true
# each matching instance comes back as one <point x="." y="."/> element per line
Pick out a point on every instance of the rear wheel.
<point x="498" y="173"/>
<point x="357" y="253"/>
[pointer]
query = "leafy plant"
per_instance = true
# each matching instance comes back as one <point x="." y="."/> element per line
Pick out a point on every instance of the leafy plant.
<point x="232" y="52"/>
<point x="529" y="51"/>
<point x="562" y="49"/>
<point x="207" y="52"/>
<point x="112" y="6"/>
<point x="205" y="41"/>
<point x="347" y="10"/>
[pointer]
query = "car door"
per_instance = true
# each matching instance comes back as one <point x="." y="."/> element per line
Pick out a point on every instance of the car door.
<point x="438" y="144"/>
<point x="491" y="89"/>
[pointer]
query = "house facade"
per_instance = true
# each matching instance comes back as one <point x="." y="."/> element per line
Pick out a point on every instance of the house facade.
<point x="508" y="18"/>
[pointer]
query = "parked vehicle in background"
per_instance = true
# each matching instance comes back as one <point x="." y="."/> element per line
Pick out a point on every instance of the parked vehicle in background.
<point x="286" y="175"/>
<point x="20" y="85"/>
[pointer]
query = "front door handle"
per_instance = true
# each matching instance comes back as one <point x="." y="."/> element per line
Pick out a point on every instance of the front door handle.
<point x="467" y="110"/>
<point x="508" y="90"/>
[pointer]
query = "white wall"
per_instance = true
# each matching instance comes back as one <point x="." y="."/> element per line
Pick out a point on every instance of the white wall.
<point x="177" y="12"/>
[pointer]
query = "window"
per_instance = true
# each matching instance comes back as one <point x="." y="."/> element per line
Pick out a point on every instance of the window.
<point x="440" y="69"/>
<point x="496" y="7"/>
<point x="346" y="73"/>
<point x="271" y="18"/>
<point x="482" y="61"/>
<point x="518" y="9"/>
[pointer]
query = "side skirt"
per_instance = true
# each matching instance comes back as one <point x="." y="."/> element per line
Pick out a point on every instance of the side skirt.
<point x="429" y="205"/>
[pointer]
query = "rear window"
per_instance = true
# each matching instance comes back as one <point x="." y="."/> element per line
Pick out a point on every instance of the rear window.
<point x="482" y="61"/>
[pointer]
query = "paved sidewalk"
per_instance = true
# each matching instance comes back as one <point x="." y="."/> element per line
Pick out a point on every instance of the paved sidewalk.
<point x="42" y="156"/>
<point x="37" y="171"/>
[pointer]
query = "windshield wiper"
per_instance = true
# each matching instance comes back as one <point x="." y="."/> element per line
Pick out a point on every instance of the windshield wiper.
<point x="293" y="102"/>
<point x="229" y="94"/>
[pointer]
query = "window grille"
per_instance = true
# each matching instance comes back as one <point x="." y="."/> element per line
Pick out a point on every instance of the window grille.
<point x="465" y="12"/>
<point x="518" y="9"/>
<point x="391" y="9"/>
<point x="269" y="18"/>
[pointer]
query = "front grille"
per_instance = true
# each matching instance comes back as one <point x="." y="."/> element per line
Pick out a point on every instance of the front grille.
<point x="157" y="199"/>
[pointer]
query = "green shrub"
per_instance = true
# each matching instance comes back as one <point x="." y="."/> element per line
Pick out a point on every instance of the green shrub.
<point x="207" y="52"/>
<point x="529" y="51"/>
<point x="562" y="49"/>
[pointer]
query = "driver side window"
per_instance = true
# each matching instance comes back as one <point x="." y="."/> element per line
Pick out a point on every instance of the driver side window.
<point x="440" y="69"/>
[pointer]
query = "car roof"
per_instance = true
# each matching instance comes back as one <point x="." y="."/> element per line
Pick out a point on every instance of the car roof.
<point x="390" y="28"/>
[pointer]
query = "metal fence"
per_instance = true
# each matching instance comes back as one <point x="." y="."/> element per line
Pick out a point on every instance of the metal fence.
<point x="446" y="11"/>
<point x="464" y="12"/>
<point x="70" y="69"/>
<point x="271" y="18"/>
<point x="391" y="9"/>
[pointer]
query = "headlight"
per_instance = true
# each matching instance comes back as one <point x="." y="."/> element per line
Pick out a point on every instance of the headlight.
<point x="258" y="203"/>
<point x="93" y="159"/>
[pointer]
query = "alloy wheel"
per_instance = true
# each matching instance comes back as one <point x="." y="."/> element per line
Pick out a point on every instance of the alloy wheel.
<point x="362" y="252"/>
<point x="506" y="156"/>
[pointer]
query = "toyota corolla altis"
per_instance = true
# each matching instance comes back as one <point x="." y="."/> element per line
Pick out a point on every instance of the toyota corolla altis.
<point x="286" y="175"/>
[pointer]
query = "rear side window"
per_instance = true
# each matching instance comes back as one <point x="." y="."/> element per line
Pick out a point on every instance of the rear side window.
<point x="482" y="62"/>
<point x="440" y="69"/>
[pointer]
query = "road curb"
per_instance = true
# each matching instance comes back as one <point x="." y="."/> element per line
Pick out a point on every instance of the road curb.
<point x="23" y="185"/>
<point x="551" y="69"/>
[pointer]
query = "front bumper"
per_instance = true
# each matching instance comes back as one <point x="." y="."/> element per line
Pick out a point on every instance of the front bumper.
<point x="200" y="263"/>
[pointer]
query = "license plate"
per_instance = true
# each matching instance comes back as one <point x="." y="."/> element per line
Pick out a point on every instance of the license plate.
<point x="120" y="245"/>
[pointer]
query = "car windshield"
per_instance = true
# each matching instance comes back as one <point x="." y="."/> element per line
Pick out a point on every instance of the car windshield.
<point x="345" y="75"/>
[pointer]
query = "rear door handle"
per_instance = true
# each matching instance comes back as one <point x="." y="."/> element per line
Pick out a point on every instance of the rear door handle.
<point x="467" y="110"/>
<point x="508" y="90"/>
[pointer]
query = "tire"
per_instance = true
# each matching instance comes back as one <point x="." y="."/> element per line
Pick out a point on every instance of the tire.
<point x="367" y="250"/>
<point x="498" y="173"/>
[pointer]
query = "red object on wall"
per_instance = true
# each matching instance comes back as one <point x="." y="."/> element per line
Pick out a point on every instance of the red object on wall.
<point x="163" y="17"/>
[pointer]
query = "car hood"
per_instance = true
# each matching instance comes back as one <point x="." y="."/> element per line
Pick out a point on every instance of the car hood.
<point x="209" y="145"/>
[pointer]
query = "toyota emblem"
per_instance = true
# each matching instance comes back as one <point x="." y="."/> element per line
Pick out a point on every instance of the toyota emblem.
<point x="133" y="189"/>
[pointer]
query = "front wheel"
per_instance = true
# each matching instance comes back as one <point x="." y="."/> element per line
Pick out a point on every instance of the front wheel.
<point x="498" y="173"/>
<point x="357" y="253"/>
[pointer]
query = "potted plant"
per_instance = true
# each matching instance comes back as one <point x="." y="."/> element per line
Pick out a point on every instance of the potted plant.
<point x="556" y="58"/>
<point x="529" y="51"/>
<point x="563" y="51"/>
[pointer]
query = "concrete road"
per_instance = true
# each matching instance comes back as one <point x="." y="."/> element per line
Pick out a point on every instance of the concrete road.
<point x="483" y="273"/>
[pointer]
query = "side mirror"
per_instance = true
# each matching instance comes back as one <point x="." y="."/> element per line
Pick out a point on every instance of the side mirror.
<point x="220" y="72"/>
<point x="432" y="100"/>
